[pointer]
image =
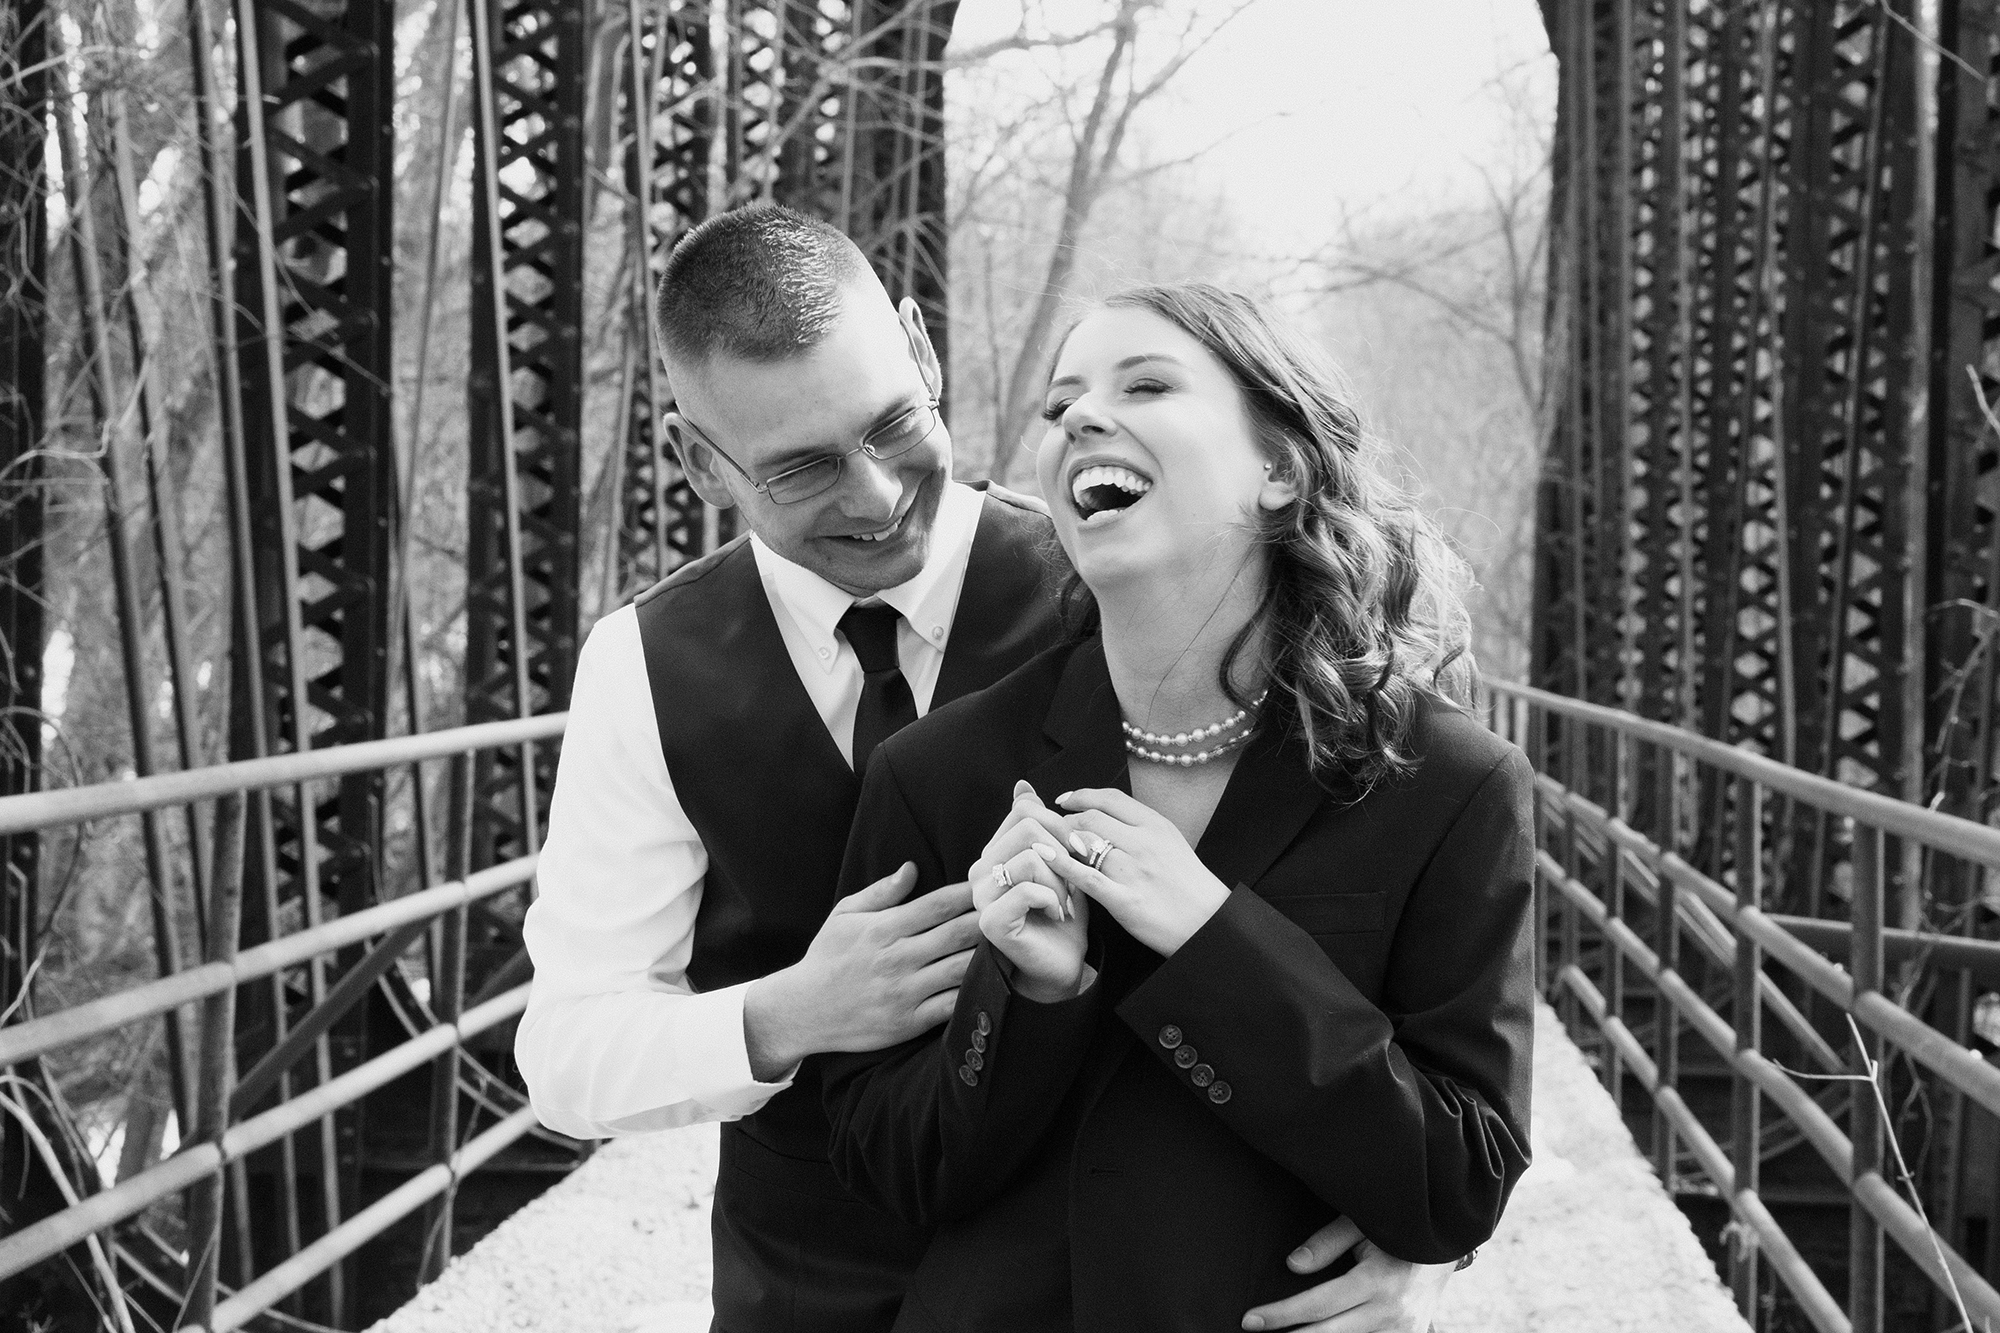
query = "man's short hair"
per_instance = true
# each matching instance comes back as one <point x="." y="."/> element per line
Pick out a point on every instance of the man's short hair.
<point x="760" y="283"/>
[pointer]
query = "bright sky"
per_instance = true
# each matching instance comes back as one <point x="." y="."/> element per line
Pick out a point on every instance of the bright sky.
<point x="1354" y="102"/>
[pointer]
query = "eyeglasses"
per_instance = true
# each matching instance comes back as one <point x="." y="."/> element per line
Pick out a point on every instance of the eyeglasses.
<point x="890" y="440"/>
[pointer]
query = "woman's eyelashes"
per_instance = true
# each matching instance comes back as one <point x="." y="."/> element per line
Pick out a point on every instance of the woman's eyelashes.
<point x="1054" y="411"/>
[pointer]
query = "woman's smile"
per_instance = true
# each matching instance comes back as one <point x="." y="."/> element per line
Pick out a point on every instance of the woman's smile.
<point x="1100" y="490"/>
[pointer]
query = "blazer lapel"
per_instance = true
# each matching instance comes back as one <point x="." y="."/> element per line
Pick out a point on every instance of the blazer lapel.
<point x="1269" y="798"/>
<point x="1082" y="722"/>
<point x="994" y="628"/>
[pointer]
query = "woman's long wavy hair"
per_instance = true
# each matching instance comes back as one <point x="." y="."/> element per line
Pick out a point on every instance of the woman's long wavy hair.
<point x="1363" y="610"/>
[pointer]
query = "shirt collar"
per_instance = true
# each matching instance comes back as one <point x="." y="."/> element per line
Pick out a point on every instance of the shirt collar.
<point x="927" y="601"/>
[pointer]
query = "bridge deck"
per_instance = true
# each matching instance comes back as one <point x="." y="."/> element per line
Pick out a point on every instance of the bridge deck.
<point x="1590" y="1244"/>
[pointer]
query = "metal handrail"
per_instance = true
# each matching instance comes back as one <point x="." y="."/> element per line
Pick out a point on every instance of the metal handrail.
<point x="76" y="805"/>
<point x="218" y="1142"/>
<point x="1945" y="833"/>
<point x="1576" y="831"/>
<point x="37" y="1036"/>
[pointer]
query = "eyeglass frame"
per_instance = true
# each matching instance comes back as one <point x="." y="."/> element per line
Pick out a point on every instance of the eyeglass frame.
<point x="763" y="487"/>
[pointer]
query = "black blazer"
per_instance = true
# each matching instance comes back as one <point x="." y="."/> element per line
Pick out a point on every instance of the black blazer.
<point x="1350" y="1033"/>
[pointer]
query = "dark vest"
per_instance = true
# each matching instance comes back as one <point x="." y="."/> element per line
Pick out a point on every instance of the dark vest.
<point x="771" y="796"/>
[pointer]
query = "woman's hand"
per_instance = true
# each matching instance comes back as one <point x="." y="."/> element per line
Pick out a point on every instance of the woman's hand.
<point x="1040" y="926"/>
<point x="1027" y="822"/>
<point x="1150" y="879"/>
<point x="1028" y="913"/>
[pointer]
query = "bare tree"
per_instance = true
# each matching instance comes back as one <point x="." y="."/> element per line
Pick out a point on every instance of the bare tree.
<point x="1454" y="296"/>
<point x="1075" y="141"/>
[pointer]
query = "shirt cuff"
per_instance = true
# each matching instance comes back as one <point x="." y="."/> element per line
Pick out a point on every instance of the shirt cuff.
<point x="716" y="1040"/>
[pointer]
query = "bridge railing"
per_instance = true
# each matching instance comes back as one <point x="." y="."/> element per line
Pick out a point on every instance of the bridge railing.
<point x="1653" y="839"/>
<point x="225" y="1132"/>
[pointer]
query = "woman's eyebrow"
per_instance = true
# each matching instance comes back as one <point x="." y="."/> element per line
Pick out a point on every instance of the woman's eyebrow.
<point x="1127" y="364"/>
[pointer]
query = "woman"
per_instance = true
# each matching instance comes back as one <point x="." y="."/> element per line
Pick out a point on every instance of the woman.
<point x="1257" y="914"/>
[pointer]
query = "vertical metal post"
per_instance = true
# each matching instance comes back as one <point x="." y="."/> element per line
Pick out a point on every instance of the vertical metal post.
<point x="1666" y="944"/>
<point x="218" y="1058"/>
<point x="447" y="999"/>
<point x="1744" y="1105"/>
<point x="1614" y="957"/>
<point x="1864" y="1300"/>
<point x="1539" y="753"/>
<point x="168" y="546"/>
<point x="113" y="417"/>
<point x="24" y="115"/>
<point x="1568" y="944"/>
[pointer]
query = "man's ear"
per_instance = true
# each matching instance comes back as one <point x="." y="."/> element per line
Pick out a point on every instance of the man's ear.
<point x="920" y="344"/>
<point x="698" y="461"/>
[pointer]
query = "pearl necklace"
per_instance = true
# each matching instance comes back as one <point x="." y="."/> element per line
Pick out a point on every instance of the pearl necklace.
<point x="1138" y="741"/>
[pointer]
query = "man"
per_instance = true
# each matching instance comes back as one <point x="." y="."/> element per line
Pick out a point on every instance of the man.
<point x="690" y="959"/>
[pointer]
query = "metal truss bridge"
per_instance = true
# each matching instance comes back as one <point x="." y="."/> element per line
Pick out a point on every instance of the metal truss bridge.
<point x="1763" y="684"/>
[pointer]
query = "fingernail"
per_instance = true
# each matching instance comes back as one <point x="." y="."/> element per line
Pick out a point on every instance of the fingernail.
<point x="1048" y="851"/>
<point x="1082" y="847"/>
<point x="1064" y="798"/>
<point x="1023" y="787"/>
<point x="1253" y="1322"/>
<point x="1299" y="1258"/>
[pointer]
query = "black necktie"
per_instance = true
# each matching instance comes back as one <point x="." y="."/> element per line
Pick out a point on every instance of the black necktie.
<point x="886" y="702"/>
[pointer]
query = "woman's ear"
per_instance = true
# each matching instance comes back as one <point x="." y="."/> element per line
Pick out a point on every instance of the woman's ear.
<point x="1278" y="490"/>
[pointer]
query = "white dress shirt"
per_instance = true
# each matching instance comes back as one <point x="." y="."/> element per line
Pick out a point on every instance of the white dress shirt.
<point x="615" y="1040"/>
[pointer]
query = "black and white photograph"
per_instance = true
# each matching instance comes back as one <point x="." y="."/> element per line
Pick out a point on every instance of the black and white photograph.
<point x="1000" y="666"/>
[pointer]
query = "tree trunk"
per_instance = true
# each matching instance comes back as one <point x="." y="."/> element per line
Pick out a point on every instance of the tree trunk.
<point x="1086" y="177"/>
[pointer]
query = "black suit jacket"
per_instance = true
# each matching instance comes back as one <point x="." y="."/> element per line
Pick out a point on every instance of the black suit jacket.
<point x="1350" y="1033"/>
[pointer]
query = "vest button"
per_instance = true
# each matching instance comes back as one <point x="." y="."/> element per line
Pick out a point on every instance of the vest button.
<point x="1170" y="1036"/>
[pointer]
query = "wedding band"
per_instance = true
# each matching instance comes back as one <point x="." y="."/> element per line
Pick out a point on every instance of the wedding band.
<point x="1096" y="858"/>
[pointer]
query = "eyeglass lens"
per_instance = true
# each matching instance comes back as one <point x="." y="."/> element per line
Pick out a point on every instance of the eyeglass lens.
<point x="891" y="440"/>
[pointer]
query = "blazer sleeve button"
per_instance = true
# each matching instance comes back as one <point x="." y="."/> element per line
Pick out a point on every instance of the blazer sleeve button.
<point x="1202" y="1075"/>
<point x="979" y="1041"/>
<point x="1184" y="1056"/>
<point x="1218" y="1092"/>
<point x="967" y="1077"/>
<point x="982" y="1024"/>
<point x="1170" y="1036"/>
<point x="974" y="1060"/>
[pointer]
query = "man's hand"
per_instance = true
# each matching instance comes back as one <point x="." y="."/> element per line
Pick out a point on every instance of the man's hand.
<point x="1380" y="1294"/>
<point x="880" y="971"/>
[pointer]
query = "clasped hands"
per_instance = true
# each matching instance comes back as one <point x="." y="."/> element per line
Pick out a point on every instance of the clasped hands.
<point x="1034" y="882"/>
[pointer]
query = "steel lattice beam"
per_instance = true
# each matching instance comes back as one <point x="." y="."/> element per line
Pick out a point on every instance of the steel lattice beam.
<point x="525" y="394"/>
<point x="666" y="126"/>
<point x="313" y="258"/>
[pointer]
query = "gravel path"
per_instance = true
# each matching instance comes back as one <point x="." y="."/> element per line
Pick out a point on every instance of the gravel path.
<point x="1590" y="1243"/>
